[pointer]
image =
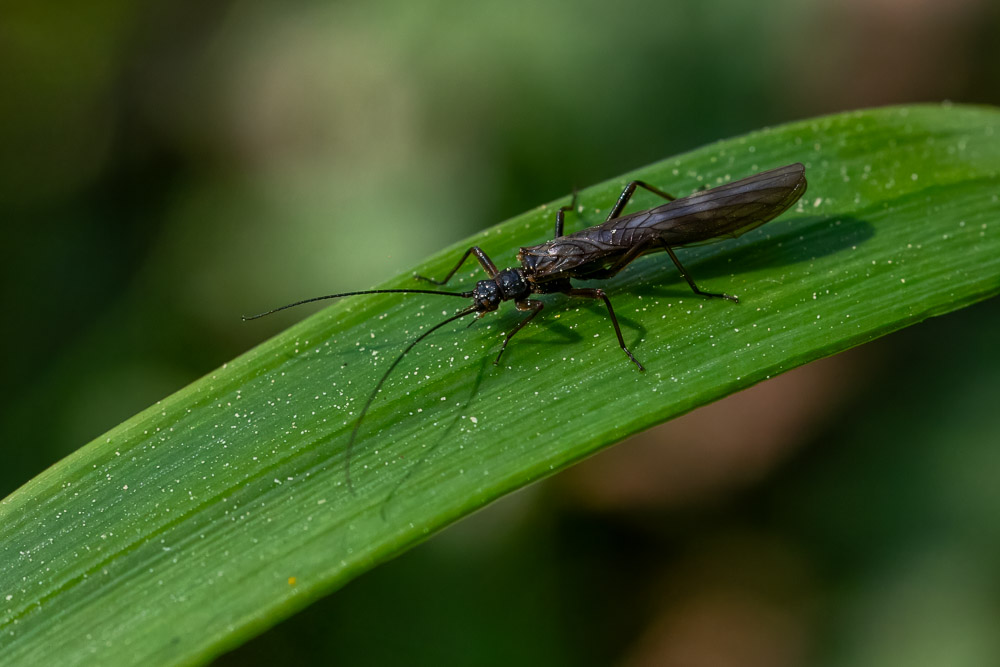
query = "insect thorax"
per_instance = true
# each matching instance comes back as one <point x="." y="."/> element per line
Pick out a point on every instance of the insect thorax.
<point x="513" y="285"/>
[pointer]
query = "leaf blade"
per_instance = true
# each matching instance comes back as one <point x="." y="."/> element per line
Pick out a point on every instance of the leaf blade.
<point x="223" y="508"/>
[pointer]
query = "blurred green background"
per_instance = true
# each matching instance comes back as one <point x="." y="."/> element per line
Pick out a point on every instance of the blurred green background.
<point x="168" y="166"/>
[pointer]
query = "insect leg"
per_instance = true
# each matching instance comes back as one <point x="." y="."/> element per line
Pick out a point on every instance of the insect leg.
<point x="484" y="260"/>
<point x="528" y="304"/>
<point x="629" y="191"/>
<point x="599" y="294"/>
<point x="687" y="277"/>
<point x="561" y="215"/>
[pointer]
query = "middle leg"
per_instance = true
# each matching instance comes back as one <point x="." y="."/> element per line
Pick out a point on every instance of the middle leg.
<point x="599" y="294"/>
<point x="629" y="191"/>
<point x="561" y="215"/>
<point x="690" y="281"/>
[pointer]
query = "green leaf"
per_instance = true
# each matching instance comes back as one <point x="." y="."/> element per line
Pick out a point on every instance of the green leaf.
<point x="224" y="508"/>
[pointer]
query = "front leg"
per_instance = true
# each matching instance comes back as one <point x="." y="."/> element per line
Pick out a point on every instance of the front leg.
<point x="484" y="260"/>
<point x="528" y="304"/>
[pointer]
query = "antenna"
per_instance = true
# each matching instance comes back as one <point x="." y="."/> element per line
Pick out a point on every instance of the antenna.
<point x="464" y="295"/>
<point x="371" y="397"/>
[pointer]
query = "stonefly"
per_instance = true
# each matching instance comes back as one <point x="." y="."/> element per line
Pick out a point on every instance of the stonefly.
<point x="600" y="252"/>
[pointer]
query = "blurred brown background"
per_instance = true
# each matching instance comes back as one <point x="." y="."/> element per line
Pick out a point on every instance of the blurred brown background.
<point x="167" y="166"/>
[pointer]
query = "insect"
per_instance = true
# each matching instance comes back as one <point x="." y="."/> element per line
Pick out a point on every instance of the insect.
<point x="600" y="252"/>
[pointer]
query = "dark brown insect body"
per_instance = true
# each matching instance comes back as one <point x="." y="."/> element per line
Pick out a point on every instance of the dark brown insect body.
<point x="602" y="251"/>
<point x="599" y="252"/>
<point x="725" y="211"/>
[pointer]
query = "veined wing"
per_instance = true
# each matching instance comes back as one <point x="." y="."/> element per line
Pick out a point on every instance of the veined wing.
<point x="726" y="211"/>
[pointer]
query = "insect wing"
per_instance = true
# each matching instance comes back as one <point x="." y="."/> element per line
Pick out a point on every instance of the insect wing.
<point x="729" y="210"/>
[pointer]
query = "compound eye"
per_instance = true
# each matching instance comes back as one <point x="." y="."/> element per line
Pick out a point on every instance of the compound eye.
<point x="487" y="296"/>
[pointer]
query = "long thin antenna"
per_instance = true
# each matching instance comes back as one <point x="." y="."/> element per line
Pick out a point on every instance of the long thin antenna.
<point x="465" y="295"/>
<point x="357" y="424"/>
